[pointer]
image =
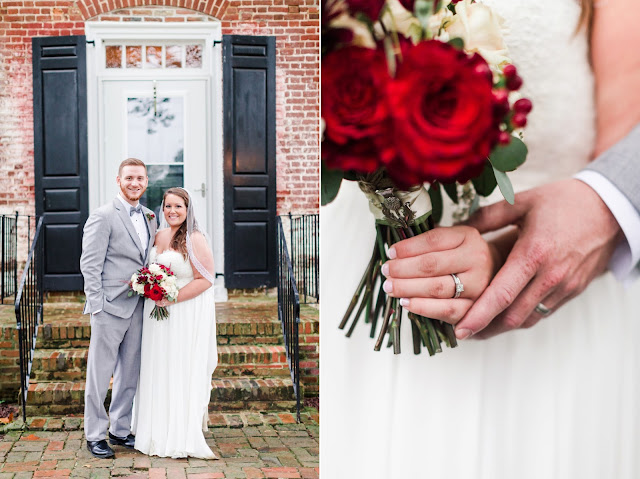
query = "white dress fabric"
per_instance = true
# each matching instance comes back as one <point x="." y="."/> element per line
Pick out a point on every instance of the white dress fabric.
<point x="557" y="401"/>
<point x="179" y="355"/>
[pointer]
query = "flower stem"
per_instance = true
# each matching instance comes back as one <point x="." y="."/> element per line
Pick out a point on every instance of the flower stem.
<point x="385" y="325"/>
<point x="356" y="296"/>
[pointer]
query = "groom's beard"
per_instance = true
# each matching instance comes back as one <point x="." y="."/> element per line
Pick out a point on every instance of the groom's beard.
<point x="131" y="197"/>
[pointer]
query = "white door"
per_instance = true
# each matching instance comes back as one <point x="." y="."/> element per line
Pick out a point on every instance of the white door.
<point x="164" y="124"/>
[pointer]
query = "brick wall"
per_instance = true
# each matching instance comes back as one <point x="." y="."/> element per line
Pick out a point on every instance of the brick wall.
<point x="294" y="22"/>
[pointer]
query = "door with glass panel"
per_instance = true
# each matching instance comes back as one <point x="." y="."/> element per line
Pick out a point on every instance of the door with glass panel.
<point x="164" y="124"/>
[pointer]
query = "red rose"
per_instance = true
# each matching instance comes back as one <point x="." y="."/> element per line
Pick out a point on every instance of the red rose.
<point x="361" y="156"/>
<point x="156" y="293"/>
<point x="147" y="290"/>
<point x="354" y="109"/>
<point x="371" y="8"/>
<point x="441" y="104"/>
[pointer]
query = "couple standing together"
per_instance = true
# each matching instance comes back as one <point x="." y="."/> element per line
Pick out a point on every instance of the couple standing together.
<point x="166" y="365"/>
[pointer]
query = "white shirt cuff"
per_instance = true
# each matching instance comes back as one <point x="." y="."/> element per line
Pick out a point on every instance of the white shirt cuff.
<point x="626" y="256"/>
<point x="96" y="312"/>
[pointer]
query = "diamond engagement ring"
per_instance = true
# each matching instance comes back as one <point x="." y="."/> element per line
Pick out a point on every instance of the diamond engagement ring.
<point x="459" y="286"/>
<point x="542" y="310"/>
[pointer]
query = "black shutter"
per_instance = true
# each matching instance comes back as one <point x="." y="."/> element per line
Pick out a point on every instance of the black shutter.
<point x="60" y="153"/>
<point x="249" y="161"/>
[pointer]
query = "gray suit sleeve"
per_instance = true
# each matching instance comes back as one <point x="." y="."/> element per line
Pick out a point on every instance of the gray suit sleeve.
<point x="95" y="241"/>
<point x="620" y="164"/>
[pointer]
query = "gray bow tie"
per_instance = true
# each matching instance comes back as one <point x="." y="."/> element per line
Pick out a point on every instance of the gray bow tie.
<point x="135" y="209"/>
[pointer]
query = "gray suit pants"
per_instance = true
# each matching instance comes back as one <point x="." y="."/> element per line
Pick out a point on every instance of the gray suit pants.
<point x="114" y="350"/>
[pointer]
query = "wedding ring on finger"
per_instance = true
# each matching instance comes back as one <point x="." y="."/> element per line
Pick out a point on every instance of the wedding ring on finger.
<point x="542" y="310"/>
<point x="459" y="286"/>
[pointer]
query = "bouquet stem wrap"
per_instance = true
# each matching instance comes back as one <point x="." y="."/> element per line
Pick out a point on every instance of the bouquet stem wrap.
<point x="398" y="215"/>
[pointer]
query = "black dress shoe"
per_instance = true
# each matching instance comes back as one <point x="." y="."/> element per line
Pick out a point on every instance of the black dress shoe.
<point x="100" y="449"/>
<point x="128" y="441"/>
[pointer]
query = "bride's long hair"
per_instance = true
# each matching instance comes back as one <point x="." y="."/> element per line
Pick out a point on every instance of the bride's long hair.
<point x="179" y="240"/>
<point x="586" y="15"/>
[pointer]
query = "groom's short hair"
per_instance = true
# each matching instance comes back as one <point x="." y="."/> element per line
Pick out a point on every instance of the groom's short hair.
<point x="131" y="162"/>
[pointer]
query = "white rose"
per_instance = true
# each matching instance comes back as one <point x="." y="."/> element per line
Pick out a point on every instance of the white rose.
<point x="154" y="268"/>
<point x="134" y="278"/>
<point x="401" y="20"/>
<point x="440" y="21"/>
<point x="138" y="288"/>
<point x="481" y="29"/>
<point x="361" y="34"/>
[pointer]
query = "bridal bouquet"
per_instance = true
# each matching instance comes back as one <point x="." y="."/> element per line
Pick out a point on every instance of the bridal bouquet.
<point x="156" y="282"/>
<point x="415" y="92"/>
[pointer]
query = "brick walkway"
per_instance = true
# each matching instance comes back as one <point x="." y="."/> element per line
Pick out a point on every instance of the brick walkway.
<point x="249" y="445"/>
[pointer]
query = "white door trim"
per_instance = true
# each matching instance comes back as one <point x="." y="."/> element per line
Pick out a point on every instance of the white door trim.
<point x="97" y="33"/>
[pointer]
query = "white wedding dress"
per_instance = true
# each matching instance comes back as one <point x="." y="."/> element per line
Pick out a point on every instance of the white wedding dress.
<point x="179" y="355"/>
<point x="557" y="401"/>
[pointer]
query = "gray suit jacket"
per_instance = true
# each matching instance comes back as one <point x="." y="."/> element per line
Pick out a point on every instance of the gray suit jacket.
<point x="620" y="164"/>
<point x="111" y="253"/>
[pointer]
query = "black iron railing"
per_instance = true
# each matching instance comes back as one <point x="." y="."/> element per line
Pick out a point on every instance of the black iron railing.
<point x="29" y="298"/>
<point x="304" y="243"/>
<point x="289" y="312"/>
<point x="9" y="260"/>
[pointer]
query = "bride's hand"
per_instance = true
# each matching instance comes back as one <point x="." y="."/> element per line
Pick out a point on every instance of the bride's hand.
<point x="163" y="303"/>
<point x="421" y="270"/>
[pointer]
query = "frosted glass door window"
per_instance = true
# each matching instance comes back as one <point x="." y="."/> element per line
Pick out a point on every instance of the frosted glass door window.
<point x="155" y="134"/>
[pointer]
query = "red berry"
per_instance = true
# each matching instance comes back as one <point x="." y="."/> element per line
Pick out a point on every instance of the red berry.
<point x="510" y="71"/>
<point x="504" y="138"/>
<point x="482" y="69"/>
<point x="519" y="120"/>
<point x="500" y="102"/>
<point x="514" y="83"/>
<point x="500" y="96"/>
<point x="523" y="105"/>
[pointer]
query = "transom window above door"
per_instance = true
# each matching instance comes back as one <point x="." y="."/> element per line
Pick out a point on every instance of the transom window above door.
<point x="139" y="56"/>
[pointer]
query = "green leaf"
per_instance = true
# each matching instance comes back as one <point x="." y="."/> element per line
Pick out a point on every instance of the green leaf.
<point x="330" y="184"/>
<point x="423" y="10"/>
<point x="436" y="201"/>
<point x="452" y="191"/>
<point x="457" y="42"/>
<point x="506" y="188"/>
<point x="486" y="182"/>
<point x="509" y="157"/>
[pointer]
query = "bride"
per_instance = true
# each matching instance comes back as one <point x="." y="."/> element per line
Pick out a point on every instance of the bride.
<point x="178" y="354"/>
<point x="558" y="400"/>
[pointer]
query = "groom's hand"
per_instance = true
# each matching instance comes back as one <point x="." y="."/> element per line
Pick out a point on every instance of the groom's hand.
<point x="566" y="237"/>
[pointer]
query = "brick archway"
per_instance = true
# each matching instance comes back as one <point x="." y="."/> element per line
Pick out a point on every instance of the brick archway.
<point x="93" y="8"/>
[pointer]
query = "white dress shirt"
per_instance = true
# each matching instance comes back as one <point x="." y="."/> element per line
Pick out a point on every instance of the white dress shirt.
<point x="626" y="256"/>
<point x="138" y="221"/>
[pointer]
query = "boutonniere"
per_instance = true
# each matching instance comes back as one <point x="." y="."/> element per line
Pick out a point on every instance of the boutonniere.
<point x="150" y="216"/>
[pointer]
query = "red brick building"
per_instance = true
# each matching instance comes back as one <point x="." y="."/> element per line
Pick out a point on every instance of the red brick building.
<point x="233" y="85"/>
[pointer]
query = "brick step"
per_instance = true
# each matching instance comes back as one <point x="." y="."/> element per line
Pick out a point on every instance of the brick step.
<point x="75" y="333"/>
<point x="228" y="394"/>
<point x="71" y="364"/>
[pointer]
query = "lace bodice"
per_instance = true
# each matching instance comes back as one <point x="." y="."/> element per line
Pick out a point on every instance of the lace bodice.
<point x="174" y="261"/>
<point x="553" y="61"/>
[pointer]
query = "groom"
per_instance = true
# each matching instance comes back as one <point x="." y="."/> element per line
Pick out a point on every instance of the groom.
<point x="115" y="245"/>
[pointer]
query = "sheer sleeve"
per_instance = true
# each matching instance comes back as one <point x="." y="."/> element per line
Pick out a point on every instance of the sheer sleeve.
<point x="201" y="256"/>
